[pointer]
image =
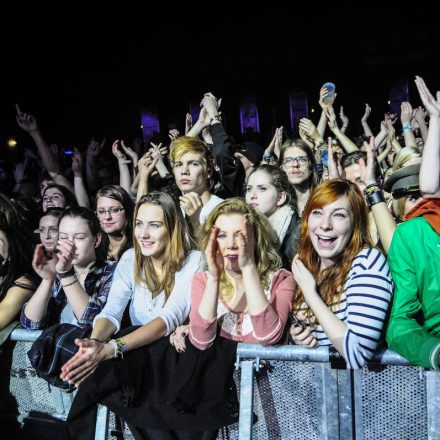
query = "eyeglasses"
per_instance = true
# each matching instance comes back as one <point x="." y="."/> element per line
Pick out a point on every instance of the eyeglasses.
<point x="113" y="210"/>
<point x="300" y="160"/>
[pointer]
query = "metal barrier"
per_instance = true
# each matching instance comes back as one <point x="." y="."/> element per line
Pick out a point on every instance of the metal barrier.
<point x="295" y="392"/>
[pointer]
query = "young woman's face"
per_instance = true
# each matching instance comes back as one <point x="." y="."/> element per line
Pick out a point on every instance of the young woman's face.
<point x="296" y="165"/>
<point x="77" y="230"/>
<point x="150" y="231"/>
<point x="111" y="215"/>
<point x="330" y="230"/>
<point x="44" y="184"/>
<point x="262" y="195"/>
<point x="230" y="226"/>
<point x="48" y="230"/>
<point x="53" y="198"/>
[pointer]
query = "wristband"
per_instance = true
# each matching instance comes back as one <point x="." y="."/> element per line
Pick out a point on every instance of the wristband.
<point x="407" y="127"/>
<point x="69" y="284"/>
<point x="216" y="118"/>
<point x="267" y="157"/>
<point x="375" y="198"/>
<point x="69" y="273"/>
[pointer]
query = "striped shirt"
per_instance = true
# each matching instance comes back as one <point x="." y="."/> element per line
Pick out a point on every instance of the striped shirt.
<point x="363" y="307"/>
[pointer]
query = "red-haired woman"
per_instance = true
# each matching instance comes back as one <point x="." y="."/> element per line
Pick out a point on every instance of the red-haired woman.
<point x="344" y="285"/>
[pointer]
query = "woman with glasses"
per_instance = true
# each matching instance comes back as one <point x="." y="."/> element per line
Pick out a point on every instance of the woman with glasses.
<point x="298" y="162"/>
<point x="268" y="191"/>
<point x="114" y="209"/>
<point x="75" y="277"/>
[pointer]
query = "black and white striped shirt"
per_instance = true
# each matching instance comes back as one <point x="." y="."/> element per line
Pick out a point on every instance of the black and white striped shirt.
<point x="363" y="307"/>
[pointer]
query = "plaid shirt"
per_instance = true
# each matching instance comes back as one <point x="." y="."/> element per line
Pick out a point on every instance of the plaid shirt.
<point x="97" y="286"/>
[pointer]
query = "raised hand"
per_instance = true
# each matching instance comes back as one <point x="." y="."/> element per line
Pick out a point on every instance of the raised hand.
<point x="94" y="149"/>
<point x="192" y="204"/>
<point x="211" y="104"/>
<point x="343" y="117"/>
<point x="366" y="113"/>
<point x="147" y="164"/>
<point x="323" y="95"/>
<point x="431" y="104"/>
<point x="309" y="128"/>
<point x="25" y="121"/>
<point x="188" y="123"/>
<point x="44" y="263"/>
<point x="173" y="134"/>
<point x="214" y="258"/>
<point x="19" y="171"/>
<point x="368" y="175"/>
<point x="246" y="245"/>
<point x="118" y="154"/>
<point x="406" y="113"/>
<point x="66" y="253"/>
<point x="77" y="163"/>
<point x="130" y="153"/>
<point x="303" y="277"/>
<point x="331" y="117"/>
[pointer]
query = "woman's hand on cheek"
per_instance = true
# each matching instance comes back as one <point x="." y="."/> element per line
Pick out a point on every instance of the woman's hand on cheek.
<point x="246" y="245"/>
<point x="66" y="253"/>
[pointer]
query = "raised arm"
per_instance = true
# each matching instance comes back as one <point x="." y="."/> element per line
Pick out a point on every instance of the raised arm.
<point x="124" y="172"/>
<point x="78" y="181"/>
<point x="364" y="121"/>
<point x="429" y="177"/>
<point x="405" y="118"/>
<point x="348" y="145"/>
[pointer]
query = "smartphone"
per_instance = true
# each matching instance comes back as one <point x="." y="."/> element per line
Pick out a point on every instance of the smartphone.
<point x="296" y="322"/>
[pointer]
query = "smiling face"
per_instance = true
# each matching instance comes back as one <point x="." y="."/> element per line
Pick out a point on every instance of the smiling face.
<point x="48" y="230"/>
<point x="150" y="231"/>
<point x="330" y="230"/>
<point x="76" y="229"/>
<point x="230" y="226"/>
<point x="262" y="195"/>
<point x="190" y="173"/>
<point x="111" y="215"/>
<point x="53" y="198"/>
<point x="298" y="170"/>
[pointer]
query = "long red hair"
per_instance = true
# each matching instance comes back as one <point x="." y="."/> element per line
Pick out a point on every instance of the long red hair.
<point x="330" y="281"/>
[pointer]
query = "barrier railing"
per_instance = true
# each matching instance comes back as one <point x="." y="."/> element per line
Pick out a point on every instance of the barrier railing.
<point x="294" y="392"/>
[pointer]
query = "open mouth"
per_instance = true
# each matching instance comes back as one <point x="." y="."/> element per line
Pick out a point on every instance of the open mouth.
<point x="325" y="242"/>
<point x="147" y="244"/>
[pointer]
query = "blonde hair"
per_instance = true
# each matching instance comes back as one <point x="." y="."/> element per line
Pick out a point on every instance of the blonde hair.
<point x="266" y="255"/>
<point x="404" y="156"/>
<point x="179" y="244"/>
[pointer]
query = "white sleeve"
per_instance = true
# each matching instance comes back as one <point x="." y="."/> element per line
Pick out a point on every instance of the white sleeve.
<point x="121" y="290"/>
<point x="176" y="309"/>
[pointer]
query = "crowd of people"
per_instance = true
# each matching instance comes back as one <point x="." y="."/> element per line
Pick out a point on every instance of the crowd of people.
<point x="197" y="245"/>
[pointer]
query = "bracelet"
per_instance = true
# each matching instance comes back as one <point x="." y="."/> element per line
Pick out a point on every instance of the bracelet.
<point x="216" y="118"/>
<point x="115" y="347"/>
<point x="119" y="347"/>
<point x="322" y="146"/>
<point x="407" y="127"/>
<point x="370" y="189"/>
<point x="69" y="284"/>
<point x="122" y="346"/>
<point x="375" y="198"/>
<point x="267" y="157"/>
<point x="69" y="273"/>
<point x="99" y="340"/>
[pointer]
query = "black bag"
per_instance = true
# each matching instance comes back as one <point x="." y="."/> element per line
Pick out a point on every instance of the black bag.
<point x="53" y="348"/>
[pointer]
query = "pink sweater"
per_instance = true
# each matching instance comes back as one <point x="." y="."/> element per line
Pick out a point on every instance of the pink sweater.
<point x="266" y="328"/>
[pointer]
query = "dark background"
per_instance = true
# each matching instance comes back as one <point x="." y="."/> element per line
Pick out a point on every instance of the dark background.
<point x="86" y="73"/>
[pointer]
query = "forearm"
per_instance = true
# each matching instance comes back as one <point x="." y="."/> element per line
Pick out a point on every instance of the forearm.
<point x="322" y="124"/>
<point x="208" y="304"/>
<point x="195" y="130"/>
<point x="142" y="188"/>
<point x="92" y="180"/>
<point x="255" y="297"/>
<point x="35" y="309"/>
<point x="76" y="295"/>
<point x="397" y="147"/>
<point x="146" y="334"/>
<point x="346" y="143"/>
<point x="385" y="224"/>
<point x="429" y="178"/>
<point x="423" y="128"/>
<point x="409" y="138"/>
<point x="124" y="176"/>
<point x="367" y="129"/>
<point x="46" y="156"/>
<point x="103" y="329"/>
<point x="80" y="191"/>
<point x="382" y="156"/>
<point x="333" y="327"/>
<point x="380" y="138"/>
<point x="162" y="169"/>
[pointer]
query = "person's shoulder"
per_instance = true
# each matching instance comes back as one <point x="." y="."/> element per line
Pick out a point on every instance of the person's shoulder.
<point x="127" y="256"/>
<point x="371" y="259"/>
<point x="215" y="200"/>
<point x="411" y="226"/>
<point x="281" y="275"/>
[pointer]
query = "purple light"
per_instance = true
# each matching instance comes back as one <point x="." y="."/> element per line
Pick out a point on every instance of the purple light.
<point x="194" y="109"/>
<point x="150" y="123"/>
<point x="298" y="108"/>
<point x="249" y="115"/>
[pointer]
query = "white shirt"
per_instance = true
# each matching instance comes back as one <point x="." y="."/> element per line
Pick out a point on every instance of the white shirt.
<point x="143" y="307"/>
<point x="209" y="207"/>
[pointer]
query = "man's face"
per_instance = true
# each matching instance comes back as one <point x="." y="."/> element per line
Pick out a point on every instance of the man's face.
<point x="191" y="174"/>
<point x="353" y="174"/>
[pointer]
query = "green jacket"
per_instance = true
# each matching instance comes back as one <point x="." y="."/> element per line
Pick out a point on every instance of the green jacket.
<point x="414" y="260"/>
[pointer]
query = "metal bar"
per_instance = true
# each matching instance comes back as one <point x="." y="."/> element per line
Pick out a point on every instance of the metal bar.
<point x="102" y="420"/>
<point x="303" y="354"/>
<point x="20" y="334"/>
<point x="327" y="393"/>
<point x="433" y="403"/>
<point x="246" y="400"/>
<point x="357" y="408"/>
<point x="345" y="405"/>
